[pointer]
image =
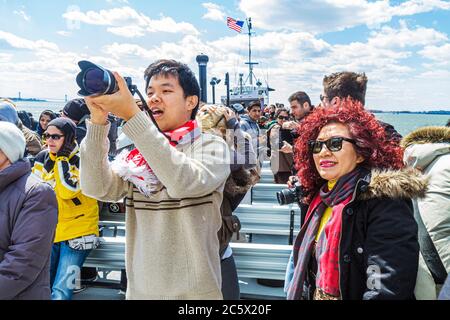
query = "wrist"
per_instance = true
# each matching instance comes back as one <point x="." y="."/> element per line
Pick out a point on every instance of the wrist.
<point x="132" y="111"/>
<point x="99" y="120"/>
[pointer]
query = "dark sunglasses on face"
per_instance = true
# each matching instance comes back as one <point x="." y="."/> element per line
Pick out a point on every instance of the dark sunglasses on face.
<point x="283" y="118"/>
<point x="55" y="137"/>
<point x="333" y="144"/>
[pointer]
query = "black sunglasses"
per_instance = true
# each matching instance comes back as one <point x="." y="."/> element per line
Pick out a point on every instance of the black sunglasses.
<point x="283" y="118"/>
<point x="333" y="144"/>
<point x="55" y="137"/>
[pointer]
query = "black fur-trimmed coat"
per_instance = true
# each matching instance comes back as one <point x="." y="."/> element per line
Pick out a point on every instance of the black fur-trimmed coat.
<point x="379" y="250"/>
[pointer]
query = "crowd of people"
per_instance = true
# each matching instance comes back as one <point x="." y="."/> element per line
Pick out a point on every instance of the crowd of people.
<point x="375" y="205"/>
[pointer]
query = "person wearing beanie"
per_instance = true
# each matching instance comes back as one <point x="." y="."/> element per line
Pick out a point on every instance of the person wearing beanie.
<point x="44" y="119"/>
<point x="78" y="112"/>
<point x="28" y="211"/>
<point x="8" y="113"/>
<point x="77" y="228"/>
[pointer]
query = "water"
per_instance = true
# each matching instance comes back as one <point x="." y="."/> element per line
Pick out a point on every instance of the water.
<point x="37" y="107"/>
<point x="403" y="123"/>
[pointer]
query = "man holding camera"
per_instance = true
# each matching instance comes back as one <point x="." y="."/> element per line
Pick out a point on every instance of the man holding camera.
<point x="173" y="184"/>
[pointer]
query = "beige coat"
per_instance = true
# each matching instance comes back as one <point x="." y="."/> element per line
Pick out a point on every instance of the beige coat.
<point x="428" y="149"/>
<point x="172" y="249"/>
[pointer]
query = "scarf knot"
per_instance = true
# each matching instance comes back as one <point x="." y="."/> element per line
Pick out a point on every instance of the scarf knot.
<point x="326" y="251"/>
<point x="132" y="166"/>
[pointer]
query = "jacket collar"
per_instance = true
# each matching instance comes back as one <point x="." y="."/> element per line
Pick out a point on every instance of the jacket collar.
<point x="424" y="145"/>
<point x="427" y="135"/>
<point x="406" y="183"/>
<point x="13" y="172"/>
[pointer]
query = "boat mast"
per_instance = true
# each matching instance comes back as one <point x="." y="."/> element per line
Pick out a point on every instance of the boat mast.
<point x="250" y="63"/>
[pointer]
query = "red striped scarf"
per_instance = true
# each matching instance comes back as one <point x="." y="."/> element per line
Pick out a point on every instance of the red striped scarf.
<point x="328" y="262"/>
<point x="132" y="166"/>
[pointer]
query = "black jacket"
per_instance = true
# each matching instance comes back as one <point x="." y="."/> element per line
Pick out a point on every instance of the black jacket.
<point x="379" y="250"/>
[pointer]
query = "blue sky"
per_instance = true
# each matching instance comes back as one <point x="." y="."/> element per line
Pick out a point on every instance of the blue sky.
<point x="402" y="46"/>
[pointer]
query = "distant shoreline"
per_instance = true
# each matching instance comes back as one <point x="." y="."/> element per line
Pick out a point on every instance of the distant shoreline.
<point x="437" y="112"/>
<point x="27" y="100"/>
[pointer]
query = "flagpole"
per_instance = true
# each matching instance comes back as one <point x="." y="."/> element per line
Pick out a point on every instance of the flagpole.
<point x="250" y="63"/>
<point x="250" y="66"/>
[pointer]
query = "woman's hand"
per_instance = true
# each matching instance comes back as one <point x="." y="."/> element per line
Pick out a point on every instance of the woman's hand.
<point x="229" y="114"/>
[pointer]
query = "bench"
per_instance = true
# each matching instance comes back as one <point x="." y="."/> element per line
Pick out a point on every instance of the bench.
<point x="269" y="219"/>
<point x="253" y="261"/>
<point x="266" y="193"/>
<point x="266" y="176"/>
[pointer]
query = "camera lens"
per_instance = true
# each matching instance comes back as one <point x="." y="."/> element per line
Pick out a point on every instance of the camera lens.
<point x="96" y="81"/>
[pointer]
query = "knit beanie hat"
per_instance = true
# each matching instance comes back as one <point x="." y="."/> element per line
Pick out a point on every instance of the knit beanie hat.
<point x="12" y="141"/>
<point x="76" y="109"/>
<point x="67" y="127"/>
<point x="8" y="112"/>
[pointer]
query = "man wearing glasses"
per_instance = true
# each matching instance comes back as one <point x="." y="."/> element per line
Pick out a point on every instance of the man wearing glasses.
<point x="341" y="85"/>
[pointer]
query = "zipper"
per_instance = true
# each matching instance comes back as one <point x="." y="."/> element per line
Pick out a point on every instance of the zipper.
<point x="340" y="236"/>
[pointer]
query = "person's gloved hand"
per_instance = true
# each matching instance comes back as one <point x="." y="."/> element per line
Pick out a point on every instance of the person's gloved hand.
<point x="66" y="149"/>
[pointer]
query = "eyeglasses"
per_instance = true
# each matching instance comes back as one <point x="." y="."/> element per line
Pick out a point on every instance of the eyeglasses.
<point x="333" y="144"/>
<point x="55" y="137"/>
<point x="283" y="118"/>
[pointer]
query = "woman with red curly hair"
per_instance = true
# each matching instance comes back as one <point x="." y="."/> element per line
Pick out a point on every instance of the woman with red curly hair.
<point x="359" y="237"/>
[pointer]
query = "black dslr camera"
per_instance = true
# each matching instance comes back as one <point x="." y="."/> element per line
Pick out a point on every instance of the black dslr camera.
<point x="290" y="195"/>
<point x="94" y="80"/>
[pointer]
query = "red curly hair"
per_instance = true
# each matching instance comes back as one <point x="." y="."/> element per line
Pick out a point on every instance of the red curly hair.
<point x="371" y="142"/>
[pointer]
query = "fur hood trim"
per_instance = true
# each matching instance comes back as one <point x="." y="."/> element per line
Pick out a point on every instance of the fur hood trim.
<point x="427" y="135"/>
<point x="395" y="184"/>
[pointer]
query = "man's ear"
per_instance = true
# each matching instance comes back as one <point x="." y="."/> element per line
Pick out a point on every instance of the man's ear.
<point x="192" y="102"/>
<point x="336" y="101"/>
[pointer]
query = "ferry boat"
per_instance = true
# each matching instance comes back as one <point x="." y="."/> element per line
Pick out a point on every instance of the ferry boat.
<point x="250" y="88"/>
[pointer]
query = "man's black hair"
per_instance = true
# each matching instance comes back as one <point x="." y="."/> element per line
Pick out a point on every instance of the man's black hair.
<point x="301" y="97"/>
<point x="253" y="104"/>
<point x="182" y="72"/>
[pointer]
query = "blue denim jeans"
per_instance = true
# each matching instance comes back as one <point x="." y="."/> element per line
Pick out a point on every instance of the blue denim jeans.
<point x="65" y="269"/>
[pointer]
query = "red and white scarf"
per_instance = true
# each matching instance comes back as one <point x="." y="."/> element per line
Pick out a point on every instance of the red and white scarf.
<point x="132" y="166"/>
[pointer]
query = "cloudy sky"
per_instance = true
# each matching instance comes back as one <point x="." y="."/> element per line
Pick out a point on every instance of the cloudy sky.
<point x="402" y="46"/>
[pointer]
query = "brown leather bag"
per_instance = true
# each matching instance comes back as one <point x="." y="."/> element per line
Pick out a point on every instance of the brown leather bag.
<point x="230" y="225"/>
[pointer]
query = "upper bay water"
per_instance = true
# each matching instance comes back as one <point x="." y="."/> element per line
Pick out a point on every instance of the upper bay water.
<point x="403" y="122"/>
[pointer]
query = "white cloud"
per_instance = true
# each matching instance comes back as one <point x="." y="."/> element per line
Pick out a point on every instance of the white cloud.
<point x="64" y="33"/>
<point x="22" y="43"/>
<point x="118" y="1"/>
<point x="319" y="16"/>
<point x="22" y="14"/>
<point x="5" y="57"/>
<point x="293" y="61"/>
<point x="127" y="22"/>
<point x="389" y="37"/>
<point x="437" y="53"/>
<point x="215" y="12"/>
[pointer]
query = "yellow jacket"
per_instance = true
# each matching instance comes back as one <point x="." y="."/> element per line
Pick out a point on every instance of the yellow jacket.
<point x="77" y="213"/>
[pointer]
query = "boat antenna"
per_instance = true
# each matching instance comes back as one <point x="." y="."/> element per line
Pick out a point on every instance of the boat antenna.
<point x="250" y="63"/>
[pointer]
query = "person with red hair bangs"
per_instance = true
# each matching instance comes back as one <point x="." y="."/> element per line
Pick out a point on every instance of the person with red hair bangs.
<point x="359" y="237"/>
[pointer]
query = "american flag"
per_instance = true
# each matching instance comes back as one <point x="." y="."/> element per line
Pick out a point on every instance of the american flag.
<point x="235" y="24"/>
